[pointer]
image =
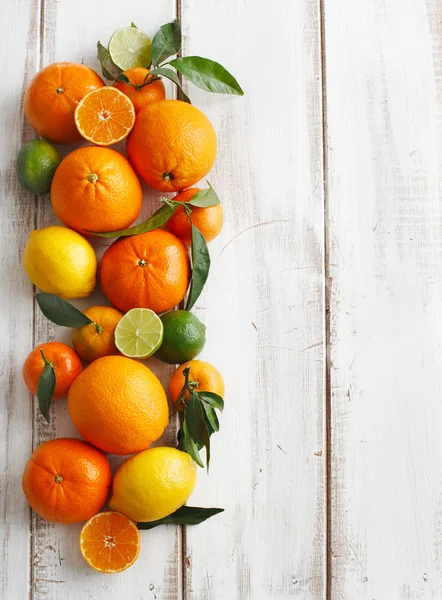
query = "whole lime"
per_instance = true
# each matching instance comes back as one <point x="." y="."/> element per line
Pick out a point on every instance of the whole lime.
<point x="36" y="165"/>
<point x="183" y="338"/>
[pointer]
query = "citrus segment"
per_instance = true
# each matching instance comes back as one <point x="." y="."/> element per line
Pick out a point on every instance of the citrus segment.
<point x="130" y="47"/>
<point x="139" y="333"/>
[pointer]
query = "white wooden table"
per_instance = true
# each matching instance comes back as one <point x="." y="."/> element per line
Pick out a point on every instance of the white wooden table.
<point x="323" y="309"/>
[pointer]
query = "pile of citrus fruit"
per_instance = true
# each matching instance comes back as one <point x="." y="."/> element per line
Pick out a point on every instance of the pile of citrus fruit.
<point x="116" y="402"/>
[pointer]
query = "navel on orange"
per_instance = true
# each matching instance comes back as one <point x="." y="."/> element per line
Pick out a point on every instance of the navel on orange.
<point x="110" y="542"/>
<point x="105" y="116"/>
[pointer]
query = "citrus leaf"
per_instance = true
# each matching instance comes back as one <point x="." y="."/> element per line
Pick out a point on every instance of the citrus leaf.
<point x="186" y="515"/>
<point x="45" y="389"/>
<point x="167" y="42"/>
<point x="169" y="74"/>
<point x="189" y="446"/>
<point x="204" y="198"/>
<point x="207" y="75"/>
<point x="122" y="77"/>
<point x="211" y="418"/>
<point x="61" y="312"/>
<point x="193" y="416"/>
<point x="213" y="399"/>
<point x="207" y="447"/>
<point x="104" y="57"/>
<point x="200" y="266"/>
<point x="158" y="219"/>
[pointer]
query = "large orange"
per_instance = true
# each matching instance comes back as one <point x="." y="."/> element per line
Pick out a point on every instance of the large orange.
<point x="65" y="362"/>
<point x="172" y="145"/>
<point x="118" y="405"/>
<point x="141" y="89"/>
<point x="52" y="96"/>
<point x="67" y="480"/>
<point x="96" y="189"/>
<point x="149" y="270"/>
<point x="208" y="220"/>
<point x="204" y="375"/>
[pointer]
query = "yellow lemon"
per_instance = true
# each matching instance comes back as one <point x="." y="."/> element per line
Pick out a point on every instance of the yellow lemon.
<point x="60" y="261"/>
<point x="153" y="484"/>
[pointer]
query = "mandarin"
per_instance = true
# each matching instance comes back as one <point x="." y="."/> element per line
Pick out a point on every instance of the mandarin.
<point x="141" y="89"/>
<point x="206" y="377"/>
<point x="52" y="97"/>
<point x="98" y="338"/>
<point x="209" y="220"/>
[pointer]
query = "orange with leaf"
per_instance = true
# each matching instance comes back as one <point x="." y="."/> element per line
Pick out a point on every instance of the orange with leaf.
<point x="202" y="376"/>
<point x="209" y="220"/>
<point x="97" y="339"/>
<point x="142" y="87"/>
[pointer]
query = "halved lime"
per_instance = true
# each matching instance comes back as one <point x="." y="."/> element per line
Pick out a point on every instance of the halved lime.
<point x="130" y="47"/>
<point x="139" y="333"/>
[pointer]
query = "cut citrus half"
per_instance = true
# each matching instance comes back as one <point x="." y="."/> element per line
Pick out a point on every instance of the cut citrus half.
<point x="130" y="47"/>
<point x="105" y="116"/>
<point x="110" y="542"/>
<point x="139" y="333"/>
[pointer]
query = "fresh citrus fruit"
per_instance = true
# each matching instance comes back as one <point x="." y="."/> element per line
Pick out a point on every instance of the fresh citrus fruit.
<point x="141" y="89"/>
<point x="172" y="145"/>
<point x="60" y="261"/>
<point x="153" y="484"/>
<point x="96" y="189"/>
<point x="208" y="220"/>
<point x="130" y="47"/>
<point x="205" y="375"/>
<point x="118" y="405"/>
<point x="110" y="542"/>
<point x="66" y="480"/>
<point x="66" y="363"/>
<point x="105" y="116"/>
<point x="184" y="337"/>
<point x="149" y="270"/>
<point x="36" y="164"/>
<point x="97" y="339"/>
<point x="52" y="97"/>
<point x="139" y="333"/>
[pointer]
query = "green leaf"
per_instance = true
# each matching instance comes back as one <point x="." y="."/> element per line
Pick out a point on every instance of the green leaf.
<point x="204" y="198"/>
<point x="189" y="446"/>
<point x="186" y="515"/>
<point x="158" y="219"/>
<point x="200" y="266"/>
<point x="61" y="312"/>
<point x="213" y="399"/>
<point x="211" y="418"/>
<point x="133" y="25"/>
<point x="169" y="74"/>
<point x="45" y="389"/>
<point x="193" y="416"/>
<point x="122" y="77"/>
<point x="207" y="75"/>
<point x="167" y="42"/>
<point x="105" y="59"/>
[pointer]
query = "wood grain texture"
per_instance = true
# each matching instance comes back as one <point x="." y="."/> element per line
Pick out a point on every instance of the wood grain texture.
<point x="384" y="148"/>
<point x="263" y="306"/>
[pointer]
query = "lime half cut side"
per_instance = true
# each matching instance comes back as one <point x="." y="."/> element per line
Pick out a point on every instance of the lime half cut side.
<point x="139" y="333"/>
<point x="130" y="47"/>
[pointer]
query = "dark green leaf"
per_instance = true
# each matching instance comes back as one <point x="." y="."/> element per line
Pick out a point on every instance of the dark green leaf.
<point x="207" y="75"/>
<point x="167" y="41"/>
<point x="189" y="446"/>
<point x="169" y="74"/>
<point x="200" y="266"/>
<point x="158" y="219"/>
<point x="133" y="25"/>
<point x="61" y="312"/>
<point x="108" y="69"/>
<point x="211" y="418"/>
<point x="186" y="515"/>
<point x="204" y="198"/>
<point x="122" y="77"/>
<point x="45" y="390"/>
<point x="207" y="446"/>
<point x="193" y="416"/>
<point x="212" y="399"/>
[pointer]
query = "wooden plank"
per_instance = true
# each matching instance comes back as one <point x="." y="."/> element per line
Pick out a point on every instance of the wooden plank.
<point x="384" y="148"/>
<point x="263" y="306"/>
<point x="17" y="219"/>
<point x="59" y="571"/>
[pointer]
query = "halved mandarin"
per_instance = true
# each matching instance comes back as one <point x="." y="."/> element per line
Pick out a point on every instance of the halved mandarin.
<point x="106" y="117"/>
<point x="110" y="542"/>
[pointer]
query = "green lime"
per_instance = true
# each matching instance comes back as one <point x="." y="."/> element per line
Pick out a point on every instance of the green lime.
<point x="139" y="333"/>
<point x="130" y="47"/>
<point x="36" y="164"/>
<point x="184" y="337"/>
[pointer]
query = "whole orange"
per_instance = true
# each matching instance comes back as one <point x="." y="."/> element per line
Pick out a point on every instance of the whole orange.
<point x="202" y="373"/>
<point x="66" y="363"/>
<point x="97" y="339"/>
<point x="52" y="96"/>
<point x="118" y="405"/>
<point x="208" y="220"/>
<point x="172" y="145"/>
<point x="66" y="480"/>
<point x="149" y="270"/>
<point x="96" y="189"/>
<point x="142" y="90"/>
